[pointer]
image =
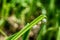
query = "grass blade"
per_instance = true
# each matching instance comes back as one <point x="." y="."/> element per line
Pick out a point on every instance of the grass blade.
<point x="26" y="28"/>
<point x="26" y="35"/>
<point x="58" y="34"/>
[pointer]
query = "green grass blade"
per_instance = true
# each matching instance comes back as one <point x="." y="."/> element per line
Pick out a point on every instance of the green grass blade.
<point x="58" y="34"/>
<point x="26" y="28"/>
<point x="9" y="38"/>
<point x="26" y="35"/>
<point x="41" y="31"/>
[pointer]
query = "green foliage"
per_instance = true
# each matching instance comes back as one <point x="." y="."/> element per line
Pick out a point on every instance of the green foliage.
<point x="27" y="10"/>
<point x="27" y="27"/>
<point x="26" y="35"/>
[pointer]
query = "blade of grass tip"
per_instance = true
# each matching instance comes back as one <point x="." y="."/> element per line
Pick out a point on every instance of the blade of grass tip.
<point x="58" y="34"/>
<point x="26" y="28"/>
<point x="26" y="35"/>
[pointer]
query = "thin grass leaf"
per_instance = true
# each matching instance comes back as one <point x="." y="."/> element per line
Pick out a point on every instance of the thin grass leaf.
<point x="58" y="34"/>
<point x="3" y="8"/>
<point x="52" y="6"/>
<point x="9" y="38"/>
<point x="42" y="31"/>
<point x="26" y="35"/>
<point x="2" y="22"/>
<point x="26" y="28"/>
<point x="22" y="15"/>
<point x="1" y="31"/>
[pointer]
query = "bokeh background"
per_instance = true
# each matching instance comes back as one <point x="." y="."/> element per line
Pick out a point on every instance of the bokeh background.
<point x="15" y="14"/>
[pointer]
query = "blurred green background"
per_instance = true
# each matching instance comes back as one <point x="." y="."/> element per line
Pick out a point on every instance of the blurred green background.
<point x="15" y="14"/>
